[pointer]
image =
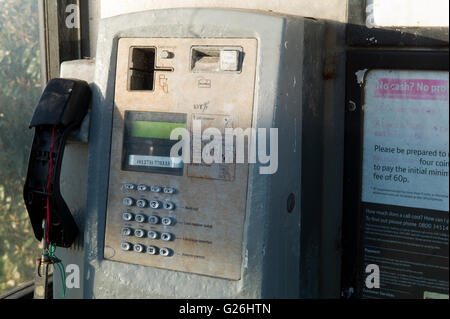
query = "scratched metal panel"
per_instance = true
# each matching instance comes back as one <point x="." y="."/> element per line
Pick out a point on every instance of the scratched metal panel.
<point x="210" y="202"/>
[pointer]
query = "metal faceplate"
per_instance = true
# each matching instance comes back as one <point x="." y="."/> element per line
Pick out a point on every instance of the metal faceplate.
<point x="207" y="221"/>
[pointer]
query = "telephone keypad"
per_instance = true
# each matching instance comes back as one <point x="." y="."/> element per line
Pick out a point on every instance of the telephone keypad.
<point x="154" y="220"/>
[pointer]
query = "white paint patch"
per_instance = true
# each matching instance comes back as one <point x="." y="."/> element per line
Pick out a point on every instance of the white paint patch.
<point x="336" y="9"/>
<point x="246" y="259"/>
<point x="360" y="76"/>
<point x="228" y="108"/>
<point x="410" y="13"/>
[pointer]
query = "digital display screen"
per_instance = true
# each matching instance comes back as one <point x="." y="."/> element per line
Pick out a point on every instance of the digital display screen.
<point x="147" y="143"/>
<point x="152" y="129"/>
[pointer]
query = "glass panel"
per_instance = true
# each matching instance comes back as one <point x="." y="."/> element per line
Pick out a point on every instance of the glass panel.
<point x="19" y="92"/>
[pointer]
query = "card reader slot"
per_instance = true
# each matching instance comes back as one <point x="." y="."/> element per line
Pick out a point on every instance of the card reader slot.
<point x="141" y="69"/>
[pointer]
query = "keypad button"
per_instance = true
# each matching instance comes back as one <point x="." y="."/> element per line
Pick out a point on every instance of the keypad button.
<point x="125" y="246"/>
<point x="126" y="231"/>
<point x="152" y="234"/>
<point x="153" y="220"/>
<point x="168" y="205"/>
<point x="155" y="204"/>
<point x="128" y="201"/>
<point x="139" y="218"/>
<point x="165" y="252"/>
<point x="142" y="188"/>
<point x="155" y="189"/>
<point x="127" y="217"/>
<point x="166" y="236"/>
<point x="166" y="221"/>
<point x="139" y="233"/>
<point x="168" y="190"/>
<point x="152" y="250"/>
<point x="141" y="203"/>
<point x="138" y="248"/>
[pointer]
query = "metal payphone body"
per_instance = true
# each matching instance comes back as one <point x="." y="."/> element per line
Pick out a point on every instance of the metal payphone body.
<point x="185" y="219"/>
<point x="155" y="228"/>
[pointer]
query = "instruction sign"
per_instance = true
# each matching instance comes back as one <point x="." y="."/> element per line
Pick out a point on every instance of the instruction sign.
<point x="406" y="129"/>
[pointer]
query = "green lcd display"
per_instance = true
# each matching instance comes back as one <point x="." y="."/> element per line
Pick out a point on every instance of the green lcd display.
<point x="151" y="129"/>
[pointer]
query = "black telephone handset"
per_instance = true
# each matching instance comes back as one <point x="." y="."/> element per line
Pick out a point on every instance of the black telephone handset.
<point x="61" y="108"/>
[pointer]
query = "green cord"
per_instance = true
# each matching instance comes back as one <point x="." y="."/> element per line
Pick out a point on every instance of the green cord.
<point x="63" y="277"/>
<point x="58" y="262"/>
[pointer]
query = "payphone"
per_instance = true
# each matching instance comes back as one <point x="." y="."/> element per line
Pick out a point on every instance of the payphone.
<point x="155" y="226"/>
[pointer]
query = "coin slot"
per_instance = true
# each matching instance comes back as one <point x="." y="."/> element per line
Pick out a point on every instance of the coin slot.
<point x="216" y="59"/>
<point x="205" y="59"/>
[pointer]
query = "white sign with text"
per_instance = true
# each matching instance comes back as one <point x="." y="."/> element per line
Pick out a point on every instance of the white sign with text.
<point x="406" y="134"/>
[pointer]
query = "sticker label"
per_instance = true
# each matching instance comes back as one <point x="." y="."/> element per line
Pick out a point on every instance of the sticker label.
<point x="406" y="133"/>
<point x="414" y="89"/>
<point x="155" y="161"/>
